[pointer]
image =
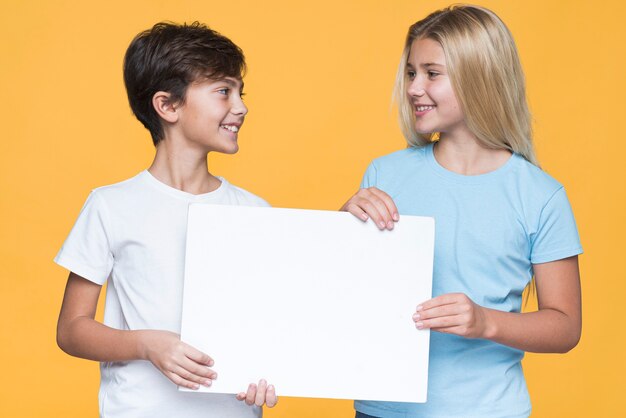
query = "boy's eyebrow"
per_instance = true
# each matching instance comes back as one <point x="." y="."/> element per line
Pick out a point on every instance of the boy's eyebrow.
<point x="231" y="82"/>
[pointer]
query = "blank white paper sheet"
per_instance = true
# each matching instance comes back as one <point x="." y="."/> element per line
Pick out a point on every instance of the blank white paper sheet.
<point x="318" y="303"/>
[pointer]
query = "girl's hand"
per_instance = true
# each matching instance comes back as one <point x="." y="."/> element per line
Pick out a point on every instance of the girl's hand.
<point x="453" y="313"/>
<point x="179" y="362"/>
<point x="259" y="395"/>
<point x="375" y="204"/>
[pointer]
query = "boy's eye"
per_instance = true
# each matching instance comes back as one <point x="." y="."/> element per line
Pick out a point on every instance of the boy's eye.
<point x="241" y="94"/>
<point x="223" y="91"/>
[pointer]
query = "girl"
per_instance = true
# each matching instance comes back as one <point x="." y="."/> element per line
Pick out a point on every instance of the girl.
<point x="500" y="220"/>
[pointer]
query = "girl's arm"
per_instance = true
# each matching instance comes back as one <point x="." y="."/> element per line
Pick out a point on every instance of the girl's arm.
<point x="554" y="328"/>
<point x="80" y="335"/>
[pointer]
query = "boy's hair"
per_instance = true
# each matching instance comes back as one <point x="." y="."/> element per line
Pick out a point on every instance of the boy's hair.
<point x="168" y="57"/>
<point x="486" y="75"/>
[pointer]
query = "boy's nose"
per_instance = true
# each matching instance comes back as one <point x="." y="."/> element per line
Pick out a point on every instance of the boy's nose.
<point x="239" y="108"/>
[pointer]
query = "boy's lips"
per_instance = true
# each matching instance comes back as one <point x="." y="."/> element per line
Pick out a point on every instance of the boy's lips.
<point x="231" y="127"/>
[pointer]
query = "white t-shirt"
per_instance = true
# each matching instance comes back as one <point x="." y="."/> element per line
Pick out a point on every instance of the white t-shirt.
<point x="133" y="235"/>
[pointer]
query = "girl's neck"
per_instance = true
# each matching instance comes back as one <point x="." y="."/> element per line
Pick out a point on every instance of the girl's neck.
<point x="183" y="169"/>
<point x="465" y="155"/>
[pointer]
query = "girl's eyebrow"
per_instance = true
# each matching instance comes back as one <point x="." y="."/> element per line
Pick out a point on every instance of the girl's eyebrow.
<point x="431" y="64"/>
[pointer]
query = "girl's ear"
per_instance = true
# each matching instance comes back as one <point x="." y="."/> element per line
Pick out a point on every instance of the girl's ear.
<point x="164" y="107"/>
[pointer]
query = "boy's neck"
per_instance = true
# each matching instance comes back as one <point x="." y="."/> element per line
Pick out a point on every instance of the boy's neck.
<point x="183" y="169"/>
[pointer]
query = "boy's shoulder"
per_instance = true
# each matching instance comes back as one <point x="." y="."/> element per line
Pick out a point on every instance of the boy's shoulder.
<point x="240" y="195"/>
<point x="144" y="187"/>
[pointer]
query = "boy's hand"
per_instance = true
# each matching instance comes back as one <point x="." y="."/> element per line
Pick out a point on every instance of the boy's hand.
<point x="375" y="204"/>
<point x="452" y="313"/>
<point x="179" y="362"/>
<point x="259" y="395"/>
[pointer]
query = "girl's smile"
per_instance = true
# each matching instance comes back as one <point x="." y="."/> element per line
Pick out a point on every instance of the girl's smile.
<point x="430" y="91"/>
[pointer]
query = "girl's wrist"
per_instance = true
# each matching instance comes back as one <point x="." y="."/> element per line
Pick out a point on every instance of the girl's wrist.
<point x="490" y="330"/>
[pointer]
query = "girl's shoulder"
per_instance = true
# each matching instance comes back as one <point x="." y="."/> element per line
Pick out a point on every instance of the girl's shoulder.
<point x="534" y="179"/>
<point x="407" y="156"/>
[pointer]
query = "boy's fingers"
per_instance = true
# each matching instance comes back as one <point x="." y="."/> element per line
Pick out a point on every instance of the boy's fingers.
<point x="198" y="356"/>
<point x="179" y="381"/>
<point x="270" y="396"/>
<point x="251" y="394"/>
<point x="259" y="399"/>
<point x="192" y="377"/>
<point x="198" y="369"/>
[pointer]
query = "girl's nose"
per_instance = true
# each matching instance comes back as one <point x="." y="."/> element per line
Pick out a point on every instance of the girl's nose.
<point x="415" y="88"/>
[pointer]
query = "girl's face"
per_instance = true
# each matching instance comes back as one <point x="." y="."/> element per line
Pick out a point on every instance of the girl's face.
<point x="430" y="92"/>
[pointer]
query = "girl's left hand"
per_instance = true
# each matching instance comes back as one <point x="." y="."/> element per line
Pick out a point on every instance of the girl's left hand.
<point x="259" y="395"/>
<point x="453" y="313"/>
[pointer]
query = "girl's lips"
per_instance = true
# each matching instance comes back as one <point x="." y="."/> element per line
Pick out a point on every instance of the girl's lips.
<point x="423" y="109"/>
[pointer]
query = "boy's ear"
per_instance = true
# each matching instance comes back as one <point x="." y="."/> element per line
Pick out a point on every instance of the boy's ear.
<point x="164" y="107"/>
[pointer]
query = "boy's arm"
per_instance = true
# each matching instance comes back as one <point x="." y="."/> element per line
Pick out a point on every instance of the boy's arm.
<point x="80" y="335"/>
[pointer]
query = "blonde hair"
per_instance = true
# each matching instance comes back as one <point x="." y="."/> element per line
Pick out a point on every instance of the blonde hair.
<point x="486" y="75"/>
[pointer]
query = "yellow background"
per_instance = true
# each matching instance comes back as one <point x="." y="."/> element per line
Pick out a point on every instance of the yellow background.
<point x="318" y="90"/>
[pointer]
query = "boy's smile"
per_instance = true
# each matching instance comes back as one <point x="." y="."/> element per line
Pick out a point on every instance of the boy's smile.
<point x="212" y="114"/>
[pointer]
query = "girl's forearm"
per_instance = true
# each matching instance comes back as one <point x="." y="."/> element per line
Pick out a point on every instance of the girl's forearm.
<point x="544" y="331"/>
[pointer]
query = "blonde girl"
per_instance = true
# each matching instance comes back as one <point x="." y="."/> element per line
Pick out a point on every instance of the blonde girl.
<point x="500" y="220"/>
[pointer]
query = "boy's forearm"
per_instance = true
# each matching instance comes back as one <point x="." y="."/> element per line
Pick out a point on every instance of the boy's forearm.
<point x="87" y="338"/>
<point x="544" y="331"/>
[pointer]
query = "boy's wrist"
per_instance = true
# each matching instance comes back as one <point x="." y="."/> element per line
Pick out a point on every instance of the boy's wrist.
<point x="139" y="338"/>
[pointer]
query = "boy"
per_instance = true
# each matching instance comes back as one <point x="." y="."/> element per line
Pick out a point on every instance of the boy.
<point x="184" y="83"/>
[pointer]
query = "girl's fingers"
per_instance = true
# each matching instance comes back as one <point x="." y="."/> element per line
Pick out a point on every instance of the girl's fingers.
<point x="436" y="312"/>
<point x="259" y="399"/>
<point x="442" y="322"/>
<point x="241" y="396"/>
<point x="388" y="201"/>
<point x="376" y="208"/>
<point x="447" y="299"/>
<point x="371" y="209"/>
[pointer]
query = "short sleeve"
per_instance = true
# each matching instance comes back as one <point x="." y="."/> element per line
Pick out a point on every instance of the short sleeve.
<point x="87" y="250"/>
<point x="369" y="178"/>
<point x="557" y="236"/>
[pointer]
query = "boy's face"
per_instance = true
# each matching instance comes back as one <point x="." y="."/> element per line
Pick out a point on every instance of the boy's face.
<point x="212" y="114"/>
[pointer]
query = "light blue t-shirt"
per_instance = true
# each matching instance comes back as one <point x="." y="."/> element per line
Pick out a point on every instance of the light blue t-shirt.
<point x="490" y="230"/>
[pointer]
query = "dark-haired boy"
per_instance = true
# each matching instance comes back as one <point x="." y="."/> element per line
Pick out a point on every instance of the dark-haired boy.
<point x="184" y="83"/>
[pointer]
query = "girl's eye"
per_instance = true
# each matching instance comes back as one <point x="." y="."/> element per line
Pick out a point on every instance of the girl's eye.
<point x="411" y="74"/>
<point x="432" y="74"/>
